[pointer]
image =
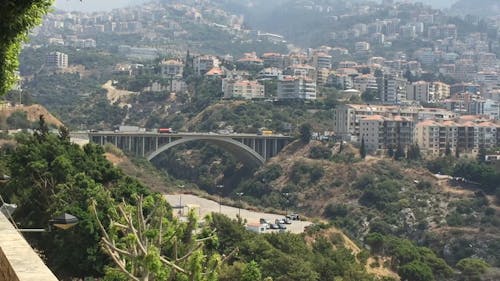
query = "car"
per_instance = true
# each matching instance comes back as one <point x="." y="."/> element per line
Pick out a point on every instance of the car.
<point x="281" y="226"/>
<point x="274" y="226"/>
<point x="287" y="221"/>
<point x="294" y="217"/>
<point x="261" y="220"/>
<point x="279" y="221"/>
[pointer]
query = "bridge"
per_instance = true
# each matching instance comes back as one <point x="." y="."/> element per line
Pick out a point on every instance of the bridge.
<point x="252" y="150"/>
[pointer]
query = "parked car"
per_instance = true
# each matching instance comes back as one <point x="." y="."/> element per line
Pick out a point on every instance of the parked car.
<point x="287" y="221"/>
<point x="294" y="217"/>
<point x="278" y="221"/>
<point x="281" y="226"/>
<point x="264" y="222"/>
<point x="274" y="226"/>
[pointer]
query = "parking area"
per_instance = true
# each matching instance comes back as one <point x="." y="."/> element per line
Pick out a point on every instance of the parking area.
<point x="208" y="206"/>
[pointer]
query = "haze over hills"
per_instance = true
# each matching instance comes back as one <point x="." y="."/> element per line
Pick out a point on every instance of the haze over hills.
<point x="94" y="5"/>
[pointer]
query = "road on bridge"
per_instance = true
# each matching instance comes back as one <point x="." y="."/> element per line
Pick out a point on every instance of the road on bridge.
<point x="208" y="206"/>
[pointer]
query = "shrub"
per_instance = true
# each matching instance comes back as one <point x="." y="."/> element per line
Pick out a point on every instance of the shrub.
<point x="320" y="152"/>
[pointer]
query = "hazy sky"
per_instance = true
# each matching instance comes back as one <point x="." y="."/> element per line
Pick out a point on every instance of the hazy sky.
<point x="106" y="5"/>
<point x="94" y="5"/>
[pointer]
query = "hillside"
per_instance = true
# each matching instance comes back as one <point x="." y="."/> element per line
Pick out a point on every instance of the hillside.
<point x="33" y="113"/>
<point x="378" y="195"/>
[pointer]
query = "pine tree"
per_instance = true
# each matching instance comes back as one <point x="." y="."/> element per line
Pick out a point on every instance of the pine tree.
<point x="362" y="149"/>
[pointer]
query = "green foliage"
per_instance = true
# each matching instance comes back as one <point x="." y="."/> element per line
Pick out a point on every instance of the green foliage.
<point x="18" y="17"/>
<point x="362" y="149"/>
<point x="320" y="152"/>
<point x="410" y="261"/>
<point x="285" y="256"/>
<point x="472" y="268"/>
<point x="305" y="132"/>
<point x="381" y="195"/>
<point x="302" y="172"/>
<point x="49" y="176"/>
<point x="251" y="272"/>
<point x="416" y="271"/>
<point x="19" y="120"/>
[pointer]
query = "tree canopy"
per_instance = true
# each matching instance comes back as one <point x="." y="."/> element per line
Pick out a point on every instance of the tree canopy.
<point x="18" y="17"/>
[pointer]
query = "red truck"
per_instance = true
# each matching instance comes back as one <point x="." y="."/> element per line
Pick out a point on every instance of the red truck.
<point x="166" y="131"/>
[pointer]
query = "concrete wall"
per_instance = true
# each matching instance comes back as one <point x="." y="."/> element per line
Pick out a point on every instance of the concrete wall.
<point x="18" y="261"/>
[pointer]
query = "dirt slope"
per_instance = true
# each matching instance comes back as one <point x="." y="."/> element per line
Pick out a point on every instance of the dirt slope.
<point x="33" y="113"/>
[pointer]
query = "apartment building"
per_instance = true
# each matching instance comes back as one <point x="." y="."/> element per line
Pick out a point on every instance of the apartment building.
<point x="466" y="136"/>
<point x="296" y="87"/>
<point x="347" y="117"/>
<point x="440" y="91"/>
<point x="365" y="82"/>
<point x="171" y="68"/>
<point x="381" y="133"/>
<point x="392" y="89"/>
<point x="202" y="64"/>
<point x="322" y="60"/>
<point x="419" y="91"/>
<point x="273" y="60"/>
<point x="57" y="60"/>
<point x="243" y="89"/>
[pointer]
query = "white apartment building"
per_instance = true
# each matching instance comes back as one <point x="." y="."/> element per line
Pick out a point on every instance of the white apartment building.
<point x="296" y="87"/>
<point x="57" y="60"/>
<point x="392" y="89"/>
<point x="322" y="60"/>
<point x="360" y="47"/>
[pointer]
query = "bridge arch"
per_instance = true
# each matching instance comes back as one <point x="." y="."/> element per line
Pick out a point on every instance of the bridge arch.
<point x="242" y="152"/>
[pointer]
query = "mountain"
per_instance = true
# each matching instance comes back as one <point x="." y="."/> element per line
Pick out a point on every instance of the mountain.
<point x="479" y="8"/>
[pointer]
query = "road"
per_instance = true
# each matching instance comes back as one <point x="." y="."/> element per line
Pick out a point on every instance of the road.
<point x="209" y="206"/>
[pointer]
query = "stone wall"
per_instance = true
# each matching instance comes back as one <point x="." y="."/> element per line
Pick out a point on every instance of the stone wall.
<point x="18" y="261"/>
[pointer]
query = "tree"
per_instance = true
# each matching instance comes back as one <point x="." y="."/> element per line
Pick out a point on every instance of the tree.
<point x="362" y="149"/>
<point x="251" y="272"/>
<point x="413" y="152"/>
<point x="146" y="243"/>
<point x="481" y="155"/>
<point x="390" y="151"/>
<point x="416" y="271"/>
<point x="18" y="17"/>
<point x="472" y="268"/>
<point x="305" y="132"/>
<point x="400" y="152"/>
<point x="447" y="151"/>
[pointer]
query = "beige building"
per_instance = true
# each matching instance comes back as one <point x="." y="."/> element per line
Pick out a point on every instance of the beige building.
<point x="468" y="136"/>
<point x="365" y="82"/>
<point x="440" y="91"/>
<point x="243" y="89"/>
<point x="381" y="133"/>
<point x="347" y="117"/>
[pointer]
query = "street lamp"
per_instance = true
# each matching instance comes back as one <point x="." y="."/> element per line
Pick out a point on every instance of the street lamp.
<point x="64" y="221"/>
<point x="239" y="205"/>
<point x="181" y="209"/>
<point x="220" y="187"/>
<point x="286" y="194"/>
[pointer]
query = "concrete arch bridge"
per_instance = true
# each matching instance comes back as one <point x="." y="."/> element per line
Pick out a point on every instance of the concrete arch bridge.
<point x="252" y="150"/>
